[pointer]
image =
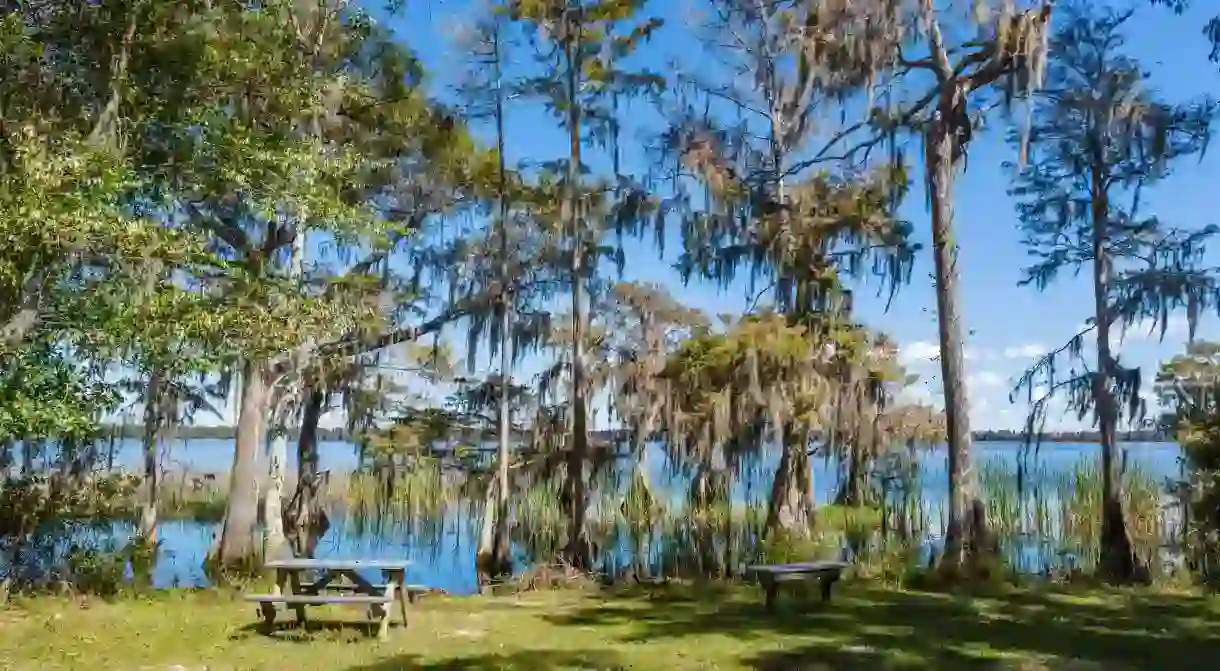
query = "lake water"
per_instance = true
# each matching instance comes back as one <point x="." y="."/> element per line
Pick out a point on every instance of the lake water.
<point x="447" y="560"/>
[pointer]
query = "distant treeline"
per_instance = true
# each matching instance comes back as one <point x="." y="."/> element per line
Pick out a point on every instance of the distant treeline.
<point x="1141" y="436"/>
<point x="1002" y="435"/>
<point x="209" y="432"/>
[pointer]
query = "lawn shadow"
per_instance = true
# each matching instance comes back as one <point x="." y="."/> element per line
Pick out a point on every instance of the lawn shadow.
<point x="291" y="631"/>
<point x="874" y="628"/>
<point x="526" y="660"/>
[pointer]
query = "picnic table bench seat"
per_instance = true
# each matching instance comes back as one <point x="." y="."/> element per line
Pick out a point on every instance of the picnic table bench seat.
<point x="412" y="591"/>
<point x="319" y="599"/>
<point x="769" y="576"/>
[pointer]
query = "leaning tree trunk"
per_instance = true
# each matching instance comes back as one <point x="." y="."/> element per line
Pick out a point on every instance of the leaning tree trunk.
<point x="306" y="521"/>
<point x="790" y="508"/>
<point x="152" y="427"/>
<point x="241" y="510"/>
<point x="1116" y="560"/>
<point x="967" y="518"/>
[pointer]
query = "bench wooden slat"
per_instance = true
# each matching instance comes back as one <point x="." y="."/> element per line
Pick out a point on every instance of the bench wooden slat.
<point x="804" y="567"/>
<point x="317" y="599"/>
<point x="344" y="587"/>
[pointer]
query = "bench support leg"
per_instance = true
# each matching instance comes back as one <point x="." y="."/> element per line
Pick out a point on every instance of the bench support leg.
<point x="772" y="589"/>
<point x="268" y="609"/>
<point x="383" y="630"/>
<point x="294" y="582"/>
<point x="268" y="612"/>
<point x="826" y="584"/>
<point x="400" y="578"/>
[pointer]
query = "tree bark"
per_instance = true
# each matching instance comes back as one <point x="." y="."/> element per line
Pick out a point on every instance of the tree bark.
<point x="275" y="541"/>
<point x="28" y="450"/>
<point x="492" y="558"/>
<point x="152" y="431"/>
<point x="967" y="521"/>
<point x="306" y="521"/>
<point x="578" y="550"/>
<point x="1116" y="561"/>
<point x="851" y="492"/>
<point x="488" y="558"/>
<point x="790" y="508"/>
<point x="241" y="510"/>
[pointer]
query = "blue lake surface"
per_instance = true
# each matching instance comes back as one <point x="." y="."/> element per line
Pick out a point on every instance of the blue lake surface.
<point x="448" y="562"/>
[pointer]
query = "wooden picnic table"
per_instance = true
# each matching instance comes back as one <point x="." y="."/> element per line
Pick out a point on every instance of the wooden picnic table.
<point x="771" y="575"/>
<point x="338" y="575"/>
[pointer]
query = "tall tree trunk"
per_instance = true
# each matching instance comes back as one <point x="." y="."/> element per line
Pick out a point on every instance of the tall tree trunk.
<point x="152" y="430"/>
<point x="110" y="450"/>
<point x="306" y="520"/>
<point x="967" y="519"/>
<point x="492" y="557"/>
<point x="1116" y="561"/>
<point x="790" y="508"/>
<point x="851" y="493"/>
<point x="28" y="450"/>
<point x="241" y="510"/>
<point x="485" y="557"/>
<point x="577" y="551"/>
<point x="274" y="540"/>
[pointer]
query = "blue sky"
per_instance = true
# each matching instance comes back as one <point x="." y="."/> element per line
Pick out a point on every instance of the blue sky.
<point x="1008" y="325"/>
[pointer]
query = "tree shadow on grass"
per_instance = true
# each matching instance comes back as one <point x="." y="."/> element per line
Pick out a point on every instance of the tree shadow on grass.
<point x="863" y="629"/>
<point x="525" y="660"/>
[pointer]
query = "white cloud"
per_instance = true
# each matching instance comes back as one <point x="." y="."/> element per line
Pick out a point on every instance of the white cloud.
<point x="985" y="379"/>
<point x="919" y="394"/>
<point x="1027" y="351"/>
<point x="920" y="350"/>
<point x="1149" y="329"/>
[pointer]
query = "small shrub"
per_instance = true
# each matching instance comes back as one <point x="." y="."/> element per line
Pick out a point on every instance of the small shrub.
<point x="97" y="571"/>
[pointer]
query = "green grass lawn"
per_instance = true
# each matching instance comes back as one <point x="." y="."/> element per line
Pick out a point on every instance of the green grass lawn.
<point x="667" y="628"/>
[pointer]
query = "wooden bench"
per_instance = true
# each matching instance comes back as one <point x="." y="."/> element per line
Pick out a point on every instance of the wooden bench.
<point x="413" y="592"/>
<point x="771" y="575"/>
<point x="338" y="575"/>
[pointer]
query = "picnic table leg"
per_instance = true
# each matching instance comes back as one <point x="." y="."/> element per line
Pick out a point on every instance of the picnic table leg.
<point x="383" y="632"/>
<point x="294" y="581"/>
<point x="400" y="577"/>
<point x="772" y="588"/>
<point x="827" y="581"/>
<point x="268" y="609"/>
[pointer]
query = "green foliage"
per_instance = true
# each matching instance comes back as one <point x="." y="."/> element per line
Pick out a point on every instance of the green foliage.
<point x="44" y="395"/>
<point x="31" y="503"/>
<point x="1189" y="387"/>
<point x="1201" y="444"/>
<point x="102" y="571"/>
